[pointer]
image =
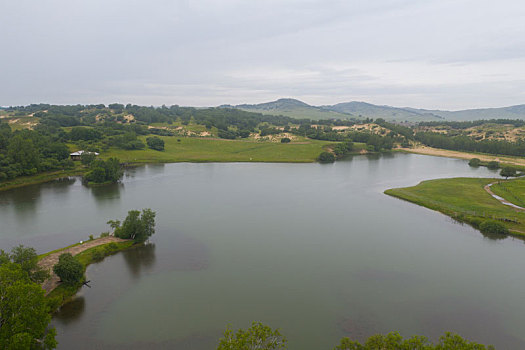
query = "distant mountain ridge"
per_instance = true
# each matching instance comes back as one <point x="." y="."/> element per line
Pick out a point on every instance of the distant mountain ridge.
<point x="360" y="110"/>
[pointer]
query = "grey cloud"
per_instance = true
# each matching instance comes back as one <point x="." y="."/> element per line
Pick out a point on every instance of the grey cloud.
<point x="210" y="52"/>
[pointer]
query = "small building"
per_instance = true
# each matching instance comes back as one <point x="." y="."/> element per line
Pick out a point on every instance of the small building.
<point x="78" y="154"/>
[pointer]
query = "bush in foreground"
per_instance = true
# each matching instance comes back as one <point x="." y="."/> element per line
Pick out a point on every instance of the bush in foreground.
<point x="262" y="337"/>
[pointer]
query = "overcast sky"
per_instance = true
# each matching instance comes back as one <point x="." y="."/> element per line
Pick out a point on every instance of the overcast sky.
<point x="420" y="53"/>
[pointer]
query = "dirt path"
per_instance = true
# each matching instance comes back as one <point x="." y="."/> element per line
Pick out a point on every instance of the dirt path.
<point x="501" y="199"/>
<point x="463" y="155"/>
<point x="49" y="261"/>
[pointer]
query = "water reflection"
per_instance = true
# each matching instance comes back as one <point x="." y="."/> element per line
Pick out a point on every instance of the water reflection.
<point x="71" y="311"/>
<point x="140" y="259"/>
<point x="107" y="192"/>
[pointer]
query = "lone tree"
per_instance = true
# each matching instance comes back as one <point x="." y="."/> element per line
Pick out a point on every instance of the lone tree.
<point x="136" y="226"/>
<point x="508" y="171"/>
<point x="69" y="269"/>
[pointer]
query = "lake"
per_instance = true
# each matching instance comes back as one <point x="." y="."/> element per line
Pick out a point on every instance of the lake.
<point x="314" y="249"/>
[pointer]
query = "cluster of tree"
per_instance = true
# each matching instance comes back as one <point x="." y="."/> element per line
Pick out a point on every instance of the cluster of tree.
<point x="232" y="134"/>
<point x="108" y="171"/>
<point x="469" y="144"/>
<point x="262" y="337"/>
<point x="24" y="310"/>
<point x="138" y="227"/>
<point x="342" y="149"/>
<point x="470" y="124"/>
<point x="29" y="152"/>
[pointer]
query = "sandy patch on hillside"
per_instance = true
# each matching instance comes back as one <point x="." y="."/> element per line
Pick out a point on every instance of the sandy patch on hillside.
<point x="463" y="155"/>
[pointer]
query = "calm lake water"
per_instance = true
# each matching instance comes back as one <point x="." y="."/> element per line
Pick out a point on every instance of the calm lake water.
<point x="316" y="250"/>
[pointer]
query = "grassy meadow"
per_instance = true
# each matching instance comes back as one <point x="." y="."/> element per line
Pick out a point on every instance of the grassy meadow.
<point x="193" y="149"/>
<point x="511" y="190"/>
<point x="463" y="199"/>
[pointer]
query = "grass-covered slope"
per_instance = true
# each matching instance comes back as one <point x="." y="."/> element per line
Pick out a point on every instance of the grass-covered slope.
<point x="463" y="199"/>
<point x="192" y="149"/>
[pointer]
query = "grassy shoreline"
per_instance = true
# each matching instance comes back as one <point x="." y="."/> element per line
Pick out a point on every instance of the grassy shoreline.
<point x="464" y="200"/>
<point x="198" y="150"/>
<point x="39" y="178"/>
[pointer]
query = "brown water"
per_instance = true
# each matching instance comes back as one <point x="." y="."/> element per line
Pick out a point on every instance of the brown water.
<point x="317" y="250"/>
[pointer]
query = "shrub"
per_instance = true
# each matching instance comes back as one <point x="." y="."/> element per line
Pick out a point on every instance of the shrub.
<point x="474" y="162"/>
<point x="491" y="226"/>
<point x="91" y="237"/>
<point x="493" y="165"/>
<point x="508" y="171"/>
<point x="285" y="140"/>
<point x="326" y="157"/>
<point x="104" y="234"/>
<point x="155" y="143"/>
<point x="98" y="255"/>
<point x="69" y="269"/>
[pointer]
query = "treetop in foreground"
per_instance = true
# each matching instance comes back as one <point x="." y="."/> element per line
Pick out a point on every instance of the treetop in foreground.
<point x="24" y="311"/>
<point x="262" y="337"/>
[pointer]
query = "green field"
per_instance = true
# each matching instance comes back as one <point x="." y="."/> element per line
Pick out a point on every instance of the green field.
<point x="512" y="190"/>
<point x="192" y="149"/>
<point x="463" y="199"/>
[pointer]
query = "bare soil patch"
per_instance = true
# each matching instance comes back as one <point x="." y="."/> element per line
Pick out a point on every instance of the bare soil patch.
<point x="463" y="155"/>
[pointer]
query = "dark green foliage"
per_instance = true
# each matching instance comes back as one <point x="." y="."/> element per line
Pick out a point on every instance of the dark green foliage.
<point x="258" y="336"/>
<point x="87" y="158"/>
<point x="155" y="143"/>
<point x="469" y="144"/>
<point x="326" y="157"/>
<point x="136" y="226"/>
<point x="493" y="165"/>
<point x="474" y="162"/>
<point x="27" y="258"/>
<point x="98" y="254"/>
<point x="285" y="140"/>
<point x="101" y="171"/>
<point x="394" y="341"/>
<point x="69" y="269"/>
<point x="28" y="152"/>
<point x="343" y="148"/>
<point x="24" y="311"/>
<point x="493" y="227"/>
<point x="508" y="171"/>
<point x="83" y="133"/>
<point x="127" y="141"/>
